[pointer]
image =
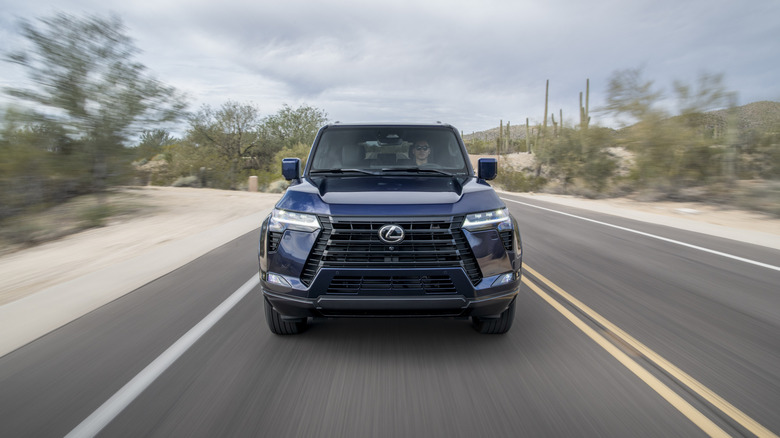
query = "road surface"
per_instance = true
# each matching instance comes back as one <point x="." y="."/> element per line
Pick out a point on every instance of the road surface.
<point x="623" y="328"/>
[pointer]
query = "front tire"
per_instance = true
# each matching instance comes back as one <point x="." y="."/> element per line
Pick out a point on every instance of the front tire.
<point x="279" y="326"/>
<point x="496" y="326"/>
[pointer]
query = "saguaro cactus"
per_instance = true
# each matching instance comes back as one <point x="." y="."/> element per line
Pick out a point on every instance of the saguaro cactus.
<point x="546" y="96"/>
<point x="584" y="111"/>
<point x="500" y="138"/>
<point x="584" y="116"/>
<point x="508" y="138"/>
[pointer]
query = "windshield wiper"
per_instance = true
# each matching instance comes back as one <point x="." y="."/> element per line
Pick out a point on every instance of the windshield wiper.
<point x="417" y="170"/>
<point x="342" y="171"/>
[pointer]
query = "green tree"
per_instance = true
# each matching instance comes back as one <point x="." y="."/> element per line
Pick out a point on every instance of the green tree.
<point x="249" y="144"/>
<point x="709" y="93"/>
<point x="203" y="163"/>
<point x="84" y="79"/>
<point x="39" y="164"/>
<point x="233" y="131"/>
<point x="152" y="143"/>
<point x="629" y="94"/>
<point x="766" y="149"/>
<point x="672" y="152"/>
<point x="24" y="159"/>
<point x="291" y="126"/>
<point x="633" y="98"/>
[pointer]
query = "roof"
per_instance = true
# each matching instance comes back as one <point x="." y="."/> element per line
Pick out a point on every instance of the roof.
<point x="394" y="124"/>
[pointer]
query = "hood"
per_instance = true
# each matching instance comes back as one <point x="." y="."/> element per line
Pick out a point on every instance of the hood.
<point x="390" y="195"/>
<point x="368" y="190"/>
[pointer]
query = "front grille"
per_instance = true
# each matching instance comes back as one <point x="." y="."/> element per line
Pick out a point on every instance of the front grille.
<point x="395" y="285"/>
<point x="353" y="243"/>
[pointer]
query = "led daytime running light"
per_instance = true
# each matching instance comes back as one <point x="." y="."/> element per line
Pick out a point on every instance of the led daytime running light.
<point x="486" y="219"/>
<point x="283" y="219"/>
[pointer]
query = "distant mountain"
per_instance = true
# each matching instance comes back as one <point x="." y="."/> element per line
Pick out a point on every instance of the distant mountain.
<point x="760" y="116"/>
<point x="515" y="132"/>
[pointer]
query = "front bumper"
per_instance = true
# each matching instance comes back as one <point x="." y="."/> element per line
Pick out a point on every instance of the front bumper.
<point x="319" y="300"/>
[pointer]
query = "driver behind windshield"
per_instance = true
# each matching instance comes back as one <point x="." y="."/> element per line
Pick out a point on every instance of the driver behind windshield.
<point x="421" y="150"/>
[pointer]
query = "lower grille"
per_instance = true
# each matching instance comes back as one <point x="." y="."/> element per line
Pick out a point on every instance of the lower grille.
<point x="392" y="285"/>
<point x="353" y="243"/>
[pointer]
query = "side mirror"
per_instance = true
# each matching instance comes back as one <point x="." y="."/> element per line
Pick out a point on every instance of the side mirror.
<point x="291" y="168"/>
<point x="487" y="168"/>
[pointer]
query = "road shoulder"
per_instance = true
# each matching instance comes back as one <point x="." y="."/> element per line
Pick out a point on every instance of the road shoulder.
<point x="743" y="226"/>
<point x="102" y="276"/>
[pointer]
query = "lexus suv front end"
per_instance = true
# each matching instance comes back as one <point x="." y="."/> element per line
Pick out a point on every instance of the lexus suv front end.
<point x="370" y="230"/>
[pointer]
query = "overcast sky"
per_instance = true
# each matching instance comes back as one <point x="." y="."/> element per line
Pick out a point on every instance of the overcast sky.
<point x="470" y="64"/>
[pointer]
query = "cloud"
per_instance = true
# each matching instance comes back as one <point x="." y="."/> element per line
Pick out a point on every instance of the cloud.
<point x="467" y="63"/>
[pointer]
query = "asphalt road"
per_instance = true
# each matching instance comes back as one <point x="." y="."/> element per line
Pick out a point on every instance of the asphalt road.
<point x="711" y="316"/>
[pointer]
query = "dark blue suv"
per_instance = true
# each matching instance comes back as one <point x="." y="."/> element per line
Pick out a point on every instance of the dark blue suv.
<point x="389" y="220"/>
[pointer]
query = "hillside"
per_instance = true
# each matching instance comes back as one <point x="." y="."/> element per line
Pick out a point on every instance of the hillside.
<point x="762" y="116"/>
<point x="756" y="116"/>
<point x="515" y="132"/>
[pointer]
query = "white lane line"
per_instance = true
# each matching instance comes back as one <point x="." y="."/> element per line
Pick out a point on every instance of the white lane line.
<point x="93" y="424"/>
<point x="665" y="239"/>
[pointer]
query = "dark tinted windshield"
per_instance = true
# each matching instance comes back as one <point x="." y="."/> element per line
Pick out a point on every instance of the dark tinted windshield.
<point x="389" y="149"/>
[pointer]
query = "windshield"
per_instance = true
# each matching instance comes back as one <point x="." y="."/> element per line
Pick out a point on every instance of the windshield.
<point x="381" y="150"/>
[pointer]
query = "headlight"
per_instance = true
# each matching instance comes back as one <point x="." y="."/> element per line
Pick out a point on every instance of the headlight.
<point x="289" y="220"/>
<point x="489" y="219"/>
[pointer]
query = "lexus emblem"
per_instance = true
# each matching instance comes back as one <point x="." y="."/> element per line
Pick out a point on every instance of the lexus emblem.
<point x="391" y="234"/>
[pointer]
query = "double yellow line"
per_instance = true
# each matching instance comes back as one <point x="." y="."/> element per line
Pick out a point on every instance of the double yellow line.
<point x="704" y="423"/>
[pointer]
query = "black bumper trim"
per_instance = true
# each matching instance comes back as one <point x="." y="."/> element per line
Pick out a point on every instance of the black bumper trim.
<point x="405" y="306"/>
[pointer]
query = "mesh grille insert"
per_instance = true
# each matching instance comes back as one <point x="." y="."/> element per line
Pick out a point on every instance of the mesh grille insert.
<point x="441" y="284"/>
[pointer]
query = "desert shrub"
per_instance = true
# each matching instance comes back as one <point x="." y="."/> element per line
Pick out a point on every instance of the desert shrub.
<point x="480" y="146"/>
<point x="95" y="215"/>
<point x="515" y="181"/>
<point x="761" y="196"/>
<point x="19" y="232"/>
<point x="579" y="156"/>
<point x="597" y="171"/>
<point x="277" y="186"/>
<point x="187" y="181"/>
